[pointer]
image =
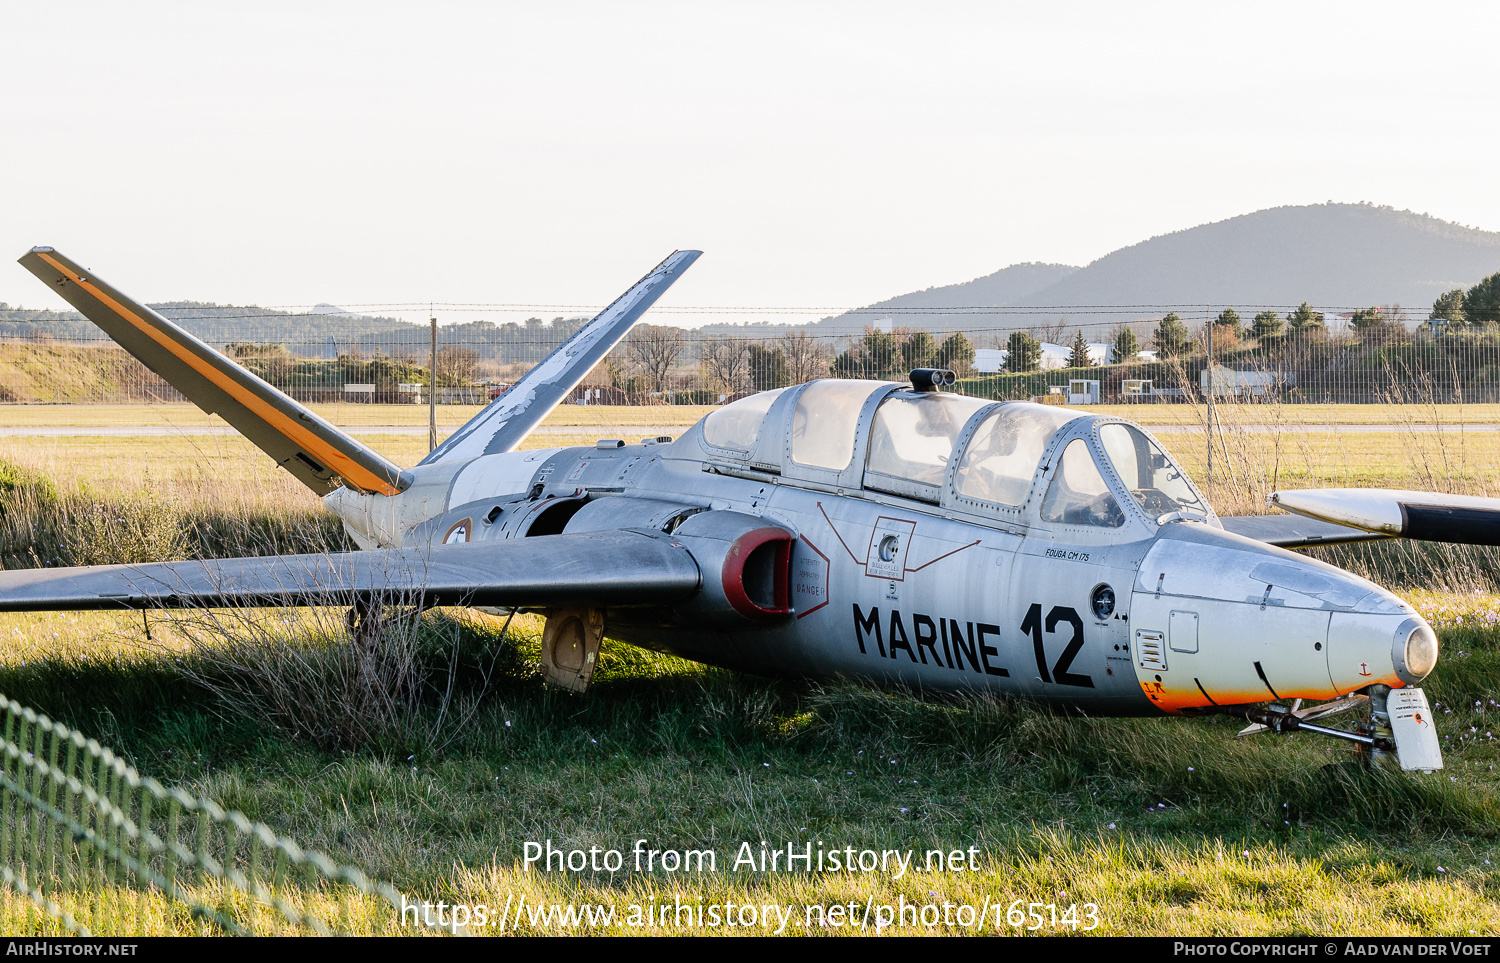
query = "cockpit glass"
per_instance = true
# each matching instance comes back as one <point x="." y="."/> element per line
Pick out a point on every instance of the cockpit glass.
<point x="1155" y="481"/>
<point x="1002" y="456"/>
<point x="825" y="421"/>
<point x="1078" y="494"/>
<point x="912" y="436"/>
<point x="737" y="425"/>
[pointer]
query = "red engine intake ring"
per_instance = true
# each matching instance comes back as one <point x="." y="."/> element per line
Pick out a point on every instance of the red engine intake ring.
<point x="757" y="574"/>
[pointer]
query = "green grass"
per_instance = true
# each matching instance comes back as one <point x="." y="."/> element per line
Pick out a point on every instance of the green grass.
<point x="1150" y="819"/>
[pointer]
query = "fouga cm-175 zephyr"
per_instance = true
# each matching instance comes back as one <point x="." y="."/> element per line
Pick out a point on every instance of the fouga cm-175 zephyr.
<point x="896" y="533"/>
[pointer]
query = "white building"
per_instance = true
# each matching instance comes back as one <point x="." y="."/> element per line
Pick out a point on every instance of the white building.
<point x="1054" y="356"/>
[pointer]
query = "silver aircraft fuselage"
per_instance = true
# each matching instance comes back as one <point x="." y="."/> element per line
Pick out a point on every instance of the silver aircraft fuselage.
<point x="868" y="530"/>
<point x="838" y="528"/>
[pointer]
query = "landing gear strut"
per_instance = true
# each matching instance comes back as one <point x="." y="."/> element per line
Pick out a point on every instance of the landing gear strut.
<point x="1282" y="719"/>
<point x="1382" y="750"/>
<point x="364" y="620"/>
<point x="1398" y="733"/>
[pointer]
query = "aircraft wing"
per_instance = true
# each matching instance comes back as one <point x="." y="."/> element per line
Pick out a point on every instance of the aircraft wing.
<point x="1294" y="531"/>
<point x="598" y="569"/>
<point x="1424" y="516"/>
<point x="507" y="421"/>
<point x="317" y="453"/>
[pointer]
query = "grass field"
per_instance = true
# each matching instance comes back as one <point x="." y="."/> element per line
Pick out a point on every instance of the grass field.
<point x="451" y="416"/>
<point x="1250" y="461"/>
<point x="209" y="465"/>
<point x="1166" y="826"/>
<point x="1313" y="414"/>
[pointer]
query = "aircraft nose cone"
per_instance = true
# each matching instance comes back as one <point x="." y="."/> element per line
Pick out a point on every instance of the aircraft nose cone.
<point x="1217" y="619"/>
<point x="1369" y="647"/>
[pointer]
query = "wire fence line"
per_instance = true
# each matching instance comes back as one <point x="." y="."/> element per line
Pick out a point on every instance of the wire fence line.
<point x="1369" y="360"/>
<point x="90" y="845"/>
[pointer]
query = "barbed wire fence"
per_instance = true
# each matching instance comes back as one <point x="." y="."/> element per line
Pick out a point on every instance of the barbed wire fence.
<point x="1368" y="356"/>
<point x="93" y="848"/>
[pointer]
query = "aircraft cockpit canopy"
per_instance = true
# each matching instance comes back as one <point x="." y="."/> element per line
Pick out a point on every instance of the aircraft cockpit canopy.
<point x="737" y="425"/>
<point x="1003" y="454"/>
<point x="912" y="438"/>
<point x="1153" y="479"/>
<point x="1078" y="493"/>
<point x="947" y="449"/>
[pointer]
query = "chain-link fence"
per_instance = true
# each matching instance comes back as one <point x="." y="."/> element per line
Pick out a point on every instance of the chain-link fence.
<point x="95" y="849"/>
<point x="1317" y="358"/>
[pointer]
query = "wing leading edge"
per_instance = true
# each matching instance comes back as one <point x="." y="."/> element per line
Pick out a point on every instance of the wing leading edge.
<point x="598" y="569"/>
<point x="1332" y="516"/>
<point x="1293" y="531"/>
<point x="1424" y="516"/>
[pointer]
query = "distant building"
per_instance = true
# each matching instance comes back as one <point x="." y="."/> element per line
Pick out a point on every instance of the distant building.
<point x="990" y="360"/>
<point x="1252" y="385"/>
<point x="1083" y="391"/>
<point x="1054" y="356"/>
<point x="599" y="395"/>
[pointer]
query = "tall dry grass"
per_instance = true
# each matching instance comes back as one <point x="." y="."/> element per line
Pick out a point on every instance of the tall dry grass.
<point x="388" y="678"/>
<point x="104" y="501"/>
<point x="1261" y="445"/>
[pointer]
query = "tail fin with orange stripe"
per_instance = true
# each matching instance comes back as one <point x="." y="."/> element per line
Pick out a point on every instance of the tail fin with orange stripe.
<point x="317" y="453"/>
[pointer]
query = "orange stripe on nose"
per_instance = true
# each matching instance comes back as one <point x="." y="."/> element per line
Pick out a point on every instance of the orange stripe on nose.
<point x="347" y="468"/>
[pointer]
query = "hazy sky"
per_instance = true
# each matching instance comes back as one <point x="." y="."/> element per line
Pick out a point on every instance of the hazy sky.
<point x="822" y="154"/>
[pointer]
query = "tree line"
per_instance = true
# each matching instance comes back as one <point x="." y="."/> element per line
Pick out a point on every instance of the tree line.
<point x="1474" y="310"/>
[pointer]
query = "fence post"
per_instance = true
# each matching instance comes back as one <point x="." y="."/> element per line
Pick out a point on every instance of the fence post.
<point x="432" y="392"/>
<point x="1208" y="313"/>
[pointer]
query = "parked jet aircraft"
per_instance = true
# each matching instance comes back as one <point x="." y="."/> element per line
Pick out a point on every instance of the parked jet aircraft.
<point x="892" y="532"/>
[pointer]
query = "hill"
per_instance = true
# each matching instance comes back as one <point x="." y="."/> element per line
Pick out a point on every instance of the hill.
<point x="1005" y="286"/>
<point x="1335" y="256"/>
<point x="220" y="324"/>
<point x="324" y="332"/>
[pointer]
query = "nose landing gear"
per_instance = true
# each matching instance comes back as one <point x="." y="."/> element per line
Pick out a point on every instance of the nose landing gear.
<point x="1397" y="733"/>
<point x="1403" y="718"/>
